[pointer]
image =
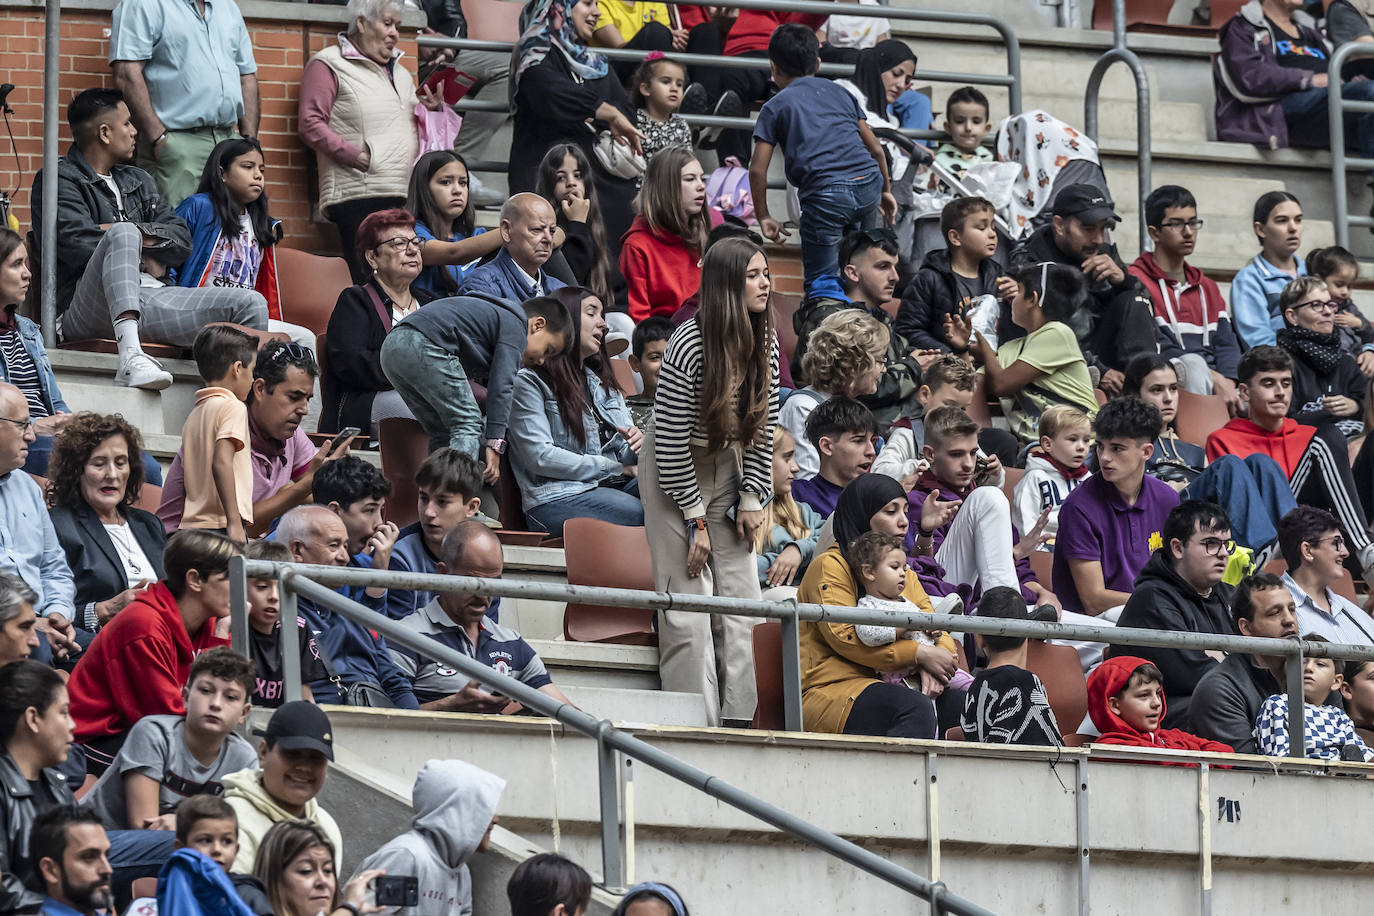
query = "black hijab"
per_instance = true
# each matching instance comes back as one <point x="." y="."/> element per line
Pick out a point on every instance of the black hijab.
<point x="859" y="502"/>
<point x="873" y="63"/>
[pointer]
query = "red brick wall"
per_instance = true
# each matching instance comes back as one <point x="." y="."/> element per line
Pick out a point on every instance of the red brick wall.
<point x="281" y="49"/>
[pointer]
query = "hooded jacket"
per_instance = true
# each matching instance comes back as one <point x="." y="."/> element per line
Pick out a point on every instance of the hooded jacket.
<point x="1191" y="315"/>
<point x="1043" y="485"/>
<point x="257" y="812"/>
<point x="1242" y="438"/>
<point x="661" y="271"/>
<point x="193" y="884"/>
<point x="198" y="212"/>
<point x="934" y="293"/>
<point x="454" y="804"/>
<point x="1163" y="601"/>
<point x="1250" y="82"/>
<point x="1255" y="293"/>
<point x="1109" y="679"/>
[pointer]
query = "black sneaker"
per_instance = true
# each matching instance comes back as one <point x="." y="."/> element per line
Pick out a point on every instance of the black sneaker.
<point x="729" y="105"/>
<point x="1045" y="613"/>
<point x="695" y="101"/>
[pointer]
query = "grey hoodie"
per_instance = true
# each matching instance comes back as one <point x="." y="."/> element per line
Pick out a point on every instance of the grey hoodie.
<point x="454" y="803"/>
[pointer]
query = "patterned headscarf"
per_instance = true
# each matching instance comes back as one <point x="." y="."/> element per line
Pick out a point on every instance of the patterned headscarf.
<point x="550" y="26"/>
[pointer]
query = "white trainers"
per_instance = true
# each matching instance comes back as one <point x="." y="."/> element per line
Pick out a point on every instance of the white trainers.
<point x="142" y="371"/>
<point x="483" y="195"/>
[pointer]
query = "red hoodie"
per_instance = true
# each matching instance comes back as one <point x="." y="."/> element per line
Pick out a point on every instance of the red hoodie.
<point x="136" y="666"/>
<point x="753" y="28"/>
<point x="661" y="271"/>
<point x="1243" y="438"/>
<point x="1109" y="679"/>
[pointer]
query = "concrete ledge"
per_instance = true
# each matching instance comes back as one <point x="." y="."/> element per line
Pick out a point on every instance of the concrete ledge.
<point x="264" y="10"/>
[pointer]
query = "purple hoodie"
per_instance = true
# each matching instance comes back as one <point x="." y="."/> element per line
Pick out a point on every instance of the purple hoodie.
<point x="1249" y="81"/>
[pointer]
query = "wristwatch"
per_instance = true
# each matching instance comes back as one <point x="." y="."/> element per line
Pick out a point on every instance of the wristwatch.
<point x="696" y="524"/>
<point x="497" y="445"/>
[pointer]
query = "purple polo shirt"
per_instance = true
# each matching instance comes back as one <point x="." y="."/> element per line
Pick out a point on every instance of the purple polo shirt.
<point x="1096" y="524"/>
<point x="275" y="464"/>
<point x="818" y="493"/>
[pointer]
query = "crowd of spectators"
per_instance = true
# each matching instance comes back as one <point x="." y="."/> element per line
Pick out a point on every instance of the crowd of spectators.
<point x="843" y="467"/>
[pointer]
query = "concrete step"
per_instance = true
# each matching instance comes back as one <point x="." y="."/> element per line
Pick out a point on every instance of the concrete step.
<point x="639" y="707"/>
<point x="589" y="664"/>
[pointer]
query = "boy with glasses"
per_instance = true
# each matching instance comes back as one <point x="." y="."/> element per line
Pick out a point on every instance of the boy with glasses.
<point x="1180" y="590"/>
<point x="1328" y="386"/>
<point x="1189" y="311"/>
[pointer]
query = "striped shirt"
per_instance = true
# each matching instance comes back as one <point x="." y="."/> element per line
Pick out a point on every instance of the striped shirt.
<point x="23" y="373"/>
<point x="677" y="426"/>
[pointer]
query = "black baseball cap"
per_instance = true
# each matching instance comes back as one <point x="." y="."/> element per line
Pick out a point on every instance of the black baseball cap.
<point x="299" y="726"/>
<point x="1086" y="203"/>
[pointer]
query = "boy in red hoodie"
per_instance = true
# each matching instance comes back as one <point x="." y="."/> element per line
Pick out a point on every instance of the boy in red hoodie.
<point x="138" y="663"/>
<point x="1194" y="329"/>
<point x="1126" y="703"/>
<point x="1315" y="459"/>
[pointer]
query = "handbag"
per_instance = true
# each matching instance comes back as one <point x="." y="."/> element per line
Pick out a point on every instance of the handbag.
<point x="615" y="157"/>
<point x="361" y="693"/>
<point x="437" y="129"/>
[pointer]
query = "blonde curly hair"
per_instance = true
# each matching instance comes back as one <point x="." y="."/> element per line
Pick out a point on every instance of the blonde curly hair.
<point x="842" y="349"/>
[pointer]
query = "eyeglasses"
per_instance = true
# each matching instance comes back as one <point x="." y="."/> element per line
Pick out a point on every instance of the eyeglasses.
<point x="1216" y="547"/>
<point x="1337" y="542"/>
<point x="1178" y="225"/>
<point x="26" y="425"/>
<point x="399" y="245"/>
<point x="1325" y="305"/>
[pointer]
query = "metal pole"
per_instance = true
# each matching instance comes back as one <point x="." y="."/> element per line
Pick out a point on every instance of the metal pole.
<point x="290" y="639"/>
<point x="1336" y="117"/>
<point x="1204" y="835"/>
<point x="608" y="781"/>
<point x="238" y="605"/>
<point x="1297" y="741"/>
<point x="1119" y="52"/>
<point x="791" y="673"/>
<point x="52" y="41"/>
<point x="1084" y="849"/>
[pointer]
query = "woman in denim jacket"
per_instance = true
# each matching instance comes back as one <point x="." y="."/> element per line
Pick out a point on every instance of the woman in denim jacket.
<point x="573" y="445"/>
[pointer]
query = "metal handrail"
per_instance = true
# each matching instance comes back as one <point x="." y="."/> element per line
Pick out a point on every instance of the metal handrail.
<point x="1337" y="108"/>
<point x="791" y="613"/>
<point x="1119" y="52"/>
<point x="299" y="579"/>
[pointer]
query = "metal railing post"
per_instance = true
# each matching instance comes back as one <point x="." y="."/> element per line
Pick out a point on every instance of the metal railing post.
<point x="1119" y="52"/>
<point x="238" y="605"/>
<point x="290" y="638"/>
<point x="608" y="781"/>
<point x="1342" y="163"/>
<point x="791" y="672"/>
<point x="52" y="40"/>
<point x="1297" y="740"/>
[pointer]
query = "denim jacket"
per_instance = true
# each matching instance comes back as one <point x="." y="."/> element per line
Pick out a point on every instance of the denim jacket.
<point x="33" y="343"/>
<point x="548" y="463"/>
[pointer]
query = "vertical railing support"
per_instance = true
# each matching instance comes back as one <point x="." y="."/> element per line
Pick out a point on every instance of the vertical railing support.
<point x="791" y="672"/>
<point x="1297" y="739"/>
<point x="1119" y="52"/>
<point x="1204" y="836"/>
<point x="290" y="640"/>
<point x="608" y="780"/>
<point x="52" y="40"/>
<point x="1080" y="798"/>
<point x="1337" y="109"/>
<point x="238" y="605"/>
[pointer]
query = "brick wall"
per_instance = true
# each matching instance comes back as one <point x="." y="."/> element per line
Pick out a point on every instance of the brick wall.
<point x="281" y="48"/>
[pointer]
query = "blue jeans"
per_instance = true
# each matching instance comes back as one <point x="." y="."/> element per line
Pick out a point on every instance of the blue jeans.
<point x="434" y="385"/>
<point x="827" y="213"/>
<point x="1254" y="492"/>
<point x="617" y="506"/>
<point x="1309" y="119"/>
<point x="41" y="449"/>
<point x="137" y="854"/>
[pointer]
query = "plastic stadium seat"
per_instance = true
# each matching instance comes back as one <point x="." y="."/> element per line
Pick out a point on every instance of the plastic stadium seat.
<point x="768" y="714"/>
<point x="1077" y="740"/>
<point x="310" y="286"/>
<point x="979" y="408"/>
<point x="612" y="556"/>
<point x="1200" y="415"/>
<point x="508" y="498"/>
<point x="624" y="375"/>
<point x="1042" y="564"/>
<point x="1061" y="671"/>
<point x="144" y="887"/>
<point x="1100" y="395"/>
<point x="1012" y="478"/>
<point x="404" y="446"/>
<point x="1345" y="587"/>
<point x="493" y="20"/>
<point x="785" y="306"/>
<point x="954" y="733"/>
<point x="86" y="786"/>
<point x="149" y="498"/>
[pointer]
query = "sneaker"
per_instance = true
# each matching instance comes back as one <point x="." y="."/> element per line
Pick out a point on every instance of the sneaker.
<point x="142" y="371"/>
<point x="729" y="105"/>
<point x="949" y="604"/>
<point x="695" y="101"/>
<point x="483" y="195"/>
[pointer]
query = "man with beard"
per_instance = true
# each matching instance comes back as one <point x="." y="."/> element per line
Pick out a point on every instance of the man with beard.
<point x="71" y="856"/>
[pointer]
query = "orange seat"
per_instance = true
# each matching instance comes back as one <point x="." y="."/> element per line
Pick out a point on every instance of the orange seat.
<point x="1345" y="587"/>
<point x="1042" y="565"/>
<point x="954" y="733"/>
<point x="149" y="498"/>
<point x="1077" y="740"/>
<point x="404" y="447"/>
<point x="624" y="376"/>
<point x="86" y="786"/>
<point x="144" y="887"/>
<point x="1061" y="671"/>
<point x="769" y="713"/>
<point x="1200" y="415"/>
<point x="785" y="307"/>
<point x="1012" y="478"/>
<point x="978" y="408"/>
<point x="309" y="287"/>
<point x="508" y="498"/>
<point x="611" y="556"/>
<point x="493" y="20"/>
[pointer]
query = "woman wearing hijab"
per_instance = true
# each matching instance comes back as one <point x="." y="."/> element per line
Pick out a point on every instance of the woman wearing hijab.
<point x="882" y="74"/>
<point x="841" y="692"/>
<point x="558" y="84"/>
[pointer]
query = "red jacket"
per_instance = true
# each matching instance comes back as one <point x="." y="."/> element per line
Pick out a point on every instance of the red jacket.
<point x="661" y="271"/>
<point x="753" y="28"/>
<point x="1243" y="438"/>
<point x="136" y="666"/>
<point x="1106" y="681"/>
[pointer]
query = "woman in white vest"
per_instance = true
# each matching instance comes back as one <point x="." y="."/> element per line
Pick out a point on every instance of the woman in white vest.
<point x="357" y="111"/>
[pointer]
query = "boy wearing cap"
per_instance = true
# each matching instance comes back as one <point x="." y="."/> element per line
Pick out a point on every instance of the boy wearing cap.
<point x="1117" y="325"/>
<point x="294" y="757"/>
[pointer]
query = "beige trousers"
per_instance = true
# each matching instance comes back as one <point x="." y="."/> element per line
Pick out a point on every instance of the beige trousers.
<point x="712" y="655"/>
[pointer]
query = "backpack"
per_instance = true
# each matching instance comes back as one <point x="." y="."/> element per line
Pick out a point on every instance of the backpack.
<point x="727" y="190"/>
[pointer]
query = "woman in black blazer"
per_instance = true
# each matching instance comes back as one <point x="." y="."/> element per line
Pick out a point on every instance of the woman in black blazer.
<point x="113" y="549"/>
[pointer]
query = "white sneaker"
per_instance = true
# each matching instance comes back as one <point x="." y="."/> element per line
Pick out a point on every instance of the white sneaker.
<point x="142" y="371"/>
<point x="483" y="195"/>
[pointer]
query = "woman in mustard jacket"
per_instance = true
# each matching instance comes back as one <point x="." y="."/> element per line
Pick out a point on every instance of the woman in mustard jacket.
<point x="841" y="692"/>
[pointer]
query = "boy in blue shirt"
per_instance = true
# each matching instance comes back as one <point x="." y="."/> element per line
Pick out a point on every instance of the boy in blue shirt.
<point x="831" y="155"/>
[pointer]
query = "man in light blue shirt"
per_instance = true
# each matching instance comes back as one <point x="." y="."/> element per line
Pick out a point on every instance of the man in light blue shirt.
<point x="1315" y="550"/>
<point x="187" y="72"/>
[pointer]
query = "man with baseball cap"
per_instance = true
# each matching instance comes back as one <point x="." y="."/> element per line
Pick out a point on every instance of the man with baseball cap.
<point x="294" y="754"/>
<point x="1117" y="324"/>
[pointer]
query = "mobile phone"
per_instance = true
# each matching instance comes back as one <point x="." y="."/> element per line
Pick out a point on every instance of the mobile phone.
<point x="343" y="436"/>
<point x="454" y="84"/>
<point x="732" y="513"/>
<point x="398" y="890"/>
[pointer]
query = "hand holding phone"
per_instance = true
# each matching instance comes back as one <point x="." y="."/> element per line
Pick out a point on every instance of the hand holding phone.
<point x="345" y="435"/>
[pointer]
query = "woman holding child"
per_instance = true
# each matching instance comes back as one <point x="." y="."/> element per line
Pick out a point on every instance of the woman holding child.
<point x="842" y="689"/>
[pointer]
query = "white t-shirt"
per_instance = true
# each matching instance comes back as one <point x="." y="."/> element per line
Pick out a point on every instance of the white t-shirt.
<point x="856" y="31"/>
<point x="136" y="564"/>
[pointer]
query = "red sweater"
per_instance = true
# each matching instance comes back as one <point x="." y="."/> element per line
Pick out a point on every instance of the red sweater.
<point x="1109" y="679"/>
<point x="661" y="271"/>
<point x="1243" y="438"/>
<point x="753" y="28"/>
<point x="136" y="666"/>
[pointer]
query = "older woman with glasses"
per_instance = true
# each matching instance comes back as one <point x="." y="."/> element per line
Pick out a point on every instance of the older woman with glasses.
<point x="1328" y="386"/>
<point x="356" y="390"/>
<point x="357" y="112"/>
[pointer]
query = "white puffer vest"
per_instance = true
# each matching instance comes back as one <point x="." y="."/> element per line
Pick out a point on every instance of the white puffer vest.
<point x="371" y="113"/>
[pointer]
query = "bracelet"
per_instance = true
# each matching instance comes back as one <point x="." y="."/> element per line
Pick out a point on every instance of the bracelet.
<point x="345" y="905"/>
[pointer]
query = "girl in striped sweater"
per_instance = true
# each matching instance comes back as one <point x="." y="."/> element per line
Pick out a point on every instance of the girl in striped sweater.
<point x="706" y="474"/>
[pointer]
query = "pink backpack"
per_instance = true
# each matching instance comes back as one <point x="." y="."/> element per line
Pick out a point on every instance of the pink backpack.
<point x="728" y="191"/>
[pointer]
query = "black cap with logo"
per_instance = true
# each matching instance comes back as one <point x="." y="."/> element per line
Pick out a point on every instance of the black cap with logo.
<point x="1085" y="202"/>
<point x="299" y="725"/>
